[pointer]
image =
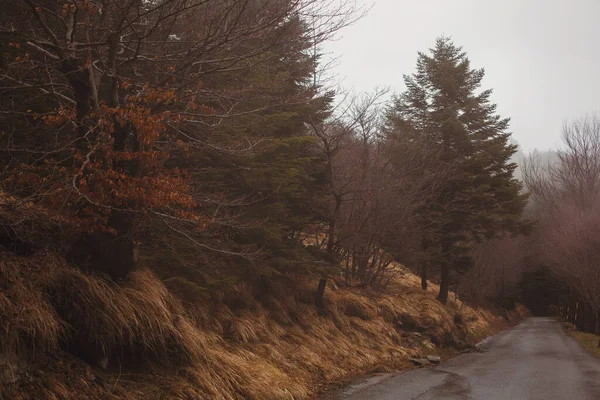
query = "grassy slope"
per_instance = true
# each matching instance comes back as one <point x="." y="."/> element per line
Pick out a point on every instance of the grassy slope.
<point x="588" y="341"/>
<point x="160" y="346"/>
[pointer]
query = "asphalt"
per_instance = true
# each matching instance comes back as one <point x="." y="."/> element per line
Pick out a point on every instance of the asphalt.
<point x="534" y="360"/>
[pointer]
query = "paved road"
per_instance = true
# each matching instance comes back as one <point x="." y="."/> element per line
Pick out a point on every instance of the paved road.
<point x="534" y="360"/>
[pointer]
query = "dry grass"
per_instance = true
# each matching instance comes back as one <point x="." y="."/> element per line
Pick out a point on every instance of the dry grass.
<point x="27" y="322"/>
<point x="140" y="318"/>
<point x="192" y="348"/>
<point x="588" y="341"/>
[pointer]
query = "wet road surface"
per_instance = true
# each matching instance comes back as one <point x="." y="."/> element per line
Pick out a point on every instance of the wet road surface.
<point x="534" y="360"/>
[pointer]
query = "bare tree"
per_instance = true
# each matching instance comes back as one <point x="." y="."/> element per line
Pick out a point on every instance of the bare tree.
<point x="117" y="91"/>
<point x="566" y="198"/>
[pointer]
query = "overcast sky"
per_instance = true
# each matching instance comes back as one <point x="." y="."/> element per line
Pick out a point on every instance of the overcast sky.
<point x="541" y="56"/>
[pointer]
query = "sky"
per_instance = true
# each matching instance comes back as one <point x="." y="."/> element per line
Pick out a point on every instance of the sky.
<point x="541" y="57"/>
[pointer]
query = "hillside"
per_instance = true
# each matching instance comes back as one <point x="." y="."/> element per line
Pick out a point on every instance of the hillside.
<point x="71" y="335"/>
<point x="191" y="207"/>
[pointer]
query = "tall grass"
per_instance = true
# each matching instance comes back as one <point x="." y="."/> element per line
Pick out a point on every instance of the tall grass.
<point x="172" y="341"/>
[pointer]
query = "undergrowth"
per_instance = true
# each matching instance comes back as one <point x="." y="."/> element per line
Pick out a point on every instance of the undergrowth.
<point x="170" y="339"/>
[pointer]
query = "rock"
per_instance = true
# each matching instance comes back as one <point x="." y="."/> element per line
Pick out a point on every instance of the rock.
<point x="419" y="361"/>
<point x="472" y="349"/>
<point x="434" y="359"/>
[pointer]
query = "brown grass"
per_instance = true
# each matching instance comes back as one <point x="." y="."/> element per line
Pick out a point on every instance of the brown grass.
<point x="140" y="317"/>
<point x="27" y="322"/>
<point x="170" y="341"/>
<point x="588" y="341"/>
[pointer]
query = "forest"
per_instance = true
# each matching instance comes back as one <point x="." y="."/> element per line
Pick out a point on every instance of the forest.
<point x="173" y="170"/>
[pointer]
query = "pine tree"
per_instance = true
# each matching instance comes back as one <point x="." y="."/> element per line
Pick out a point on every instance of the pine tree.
<point x="444" y="108"/>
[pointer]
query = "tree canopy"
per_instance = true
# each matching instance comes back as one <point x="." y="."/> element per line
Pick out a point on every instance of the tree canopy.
<point x="443" y="107"/>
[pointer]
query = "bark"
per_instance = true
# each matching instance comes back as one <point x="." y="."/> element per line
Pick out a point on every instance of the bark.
<point x="112" y="255"/>
<point x="597" y="330"/>
<point x="113" y="97"/>
<point x="579" y="316"/>
<point x="262" y="287"/>
<point x="444" y="283"/>
<point x="362" y="268"/>
<point x="79" y="79"/>
<point x="445" y="273"/>
<point x="596" y="321"/>
<point x="424" y="246"/>
<point x="320" y="294"/>
<point x="571" y="303"/>
<point x="588" y="318"/>
<point x="331" y="237"/>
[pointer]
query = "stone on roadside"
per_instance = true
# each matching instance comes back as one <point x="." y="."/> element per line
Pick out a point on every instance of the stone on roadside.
<point x="419" y="361"/>
<point x="434" y="359"/>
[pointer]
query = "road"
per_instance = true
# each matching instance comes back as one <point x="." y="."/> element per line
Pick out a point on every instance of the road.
<point x="534" y="360"/>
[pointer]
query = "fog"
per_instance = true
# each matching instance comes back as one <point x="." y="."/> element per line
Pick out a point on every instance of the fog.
<point x="540" y="57"/>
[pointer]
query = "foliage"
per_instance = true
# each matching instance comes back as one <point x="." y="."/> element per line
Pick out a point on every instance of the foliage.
<point x="443" y="108"/>
<point x="149" y="123"/>
<point x="540" y="289"/>
<point x="565" y="201"/>
<point x="191" y="182"/>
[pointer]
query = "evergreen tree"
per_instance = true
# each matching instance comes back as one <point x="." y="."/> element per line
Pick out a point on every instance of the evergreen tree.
<point x="190" y="138"/>
<point x="443" y="107"/>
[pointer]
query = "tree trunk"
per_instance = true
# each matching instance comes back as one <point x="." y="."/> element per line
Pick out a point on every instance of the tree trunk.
<point x="262" y="287"/>
<point x="588" y="318"/>
<point x="354" y="263"/>
<point x="362" y="267"/>
<point x="424" y="247"/>
<point x="79" y="79"/>
<point x="444" y="283"/>
<point x="597" y="323"/>
<point x="579" y="316"/>
<point x="112" y="255"/>
<point x="320" y="294"/>
<point x="331" y="237"/>
<point x="445" y="273"/>
<point x="597" y="327"/>
<point x="571" y="303"/>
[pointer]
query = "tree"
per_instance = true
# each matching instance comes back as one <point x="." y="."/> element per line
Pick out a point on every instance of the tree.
<point x="442" y="105"/>
<point x="337" y="139"/>
<point x="128" y="117"/>
<point x="374" y="189"/>
<point x="566" y="200"/>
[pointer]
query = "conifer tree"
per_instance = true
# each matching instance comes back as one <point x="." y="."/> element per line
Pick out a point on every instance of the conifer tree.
<point x="444" y="107"/>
